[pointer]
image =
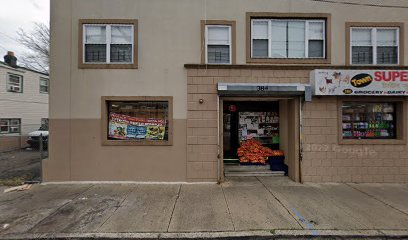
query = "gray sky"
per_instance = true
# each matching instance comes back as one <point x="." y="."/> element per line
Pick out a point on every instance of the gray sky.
<point x="17" y="14"/>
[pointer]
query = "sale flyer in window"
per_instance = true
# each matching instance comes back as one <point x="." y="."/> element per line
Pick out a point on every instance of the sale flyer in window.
<point x="127" y="127"/>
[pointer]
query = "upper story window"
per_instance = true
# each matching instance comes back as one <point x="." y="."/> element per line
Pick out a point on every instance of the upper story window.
<point x="288" y="38"/>
<point x="218" y="42"/>
<point x="14" y="83"/>
<point x="44" y="85"/>
<point x="374" y="45"/>
<point x="108" y="44"/>
<point x="12" y="125"/>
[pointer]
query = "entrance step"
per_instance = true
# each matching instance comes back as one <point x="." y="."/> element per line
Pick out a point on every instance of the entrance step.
<point x="236" y="170"/>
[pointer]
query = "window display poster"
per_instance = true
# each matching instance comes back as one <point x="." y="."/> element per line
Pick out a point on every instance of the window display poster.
<point x="128" y="127"/>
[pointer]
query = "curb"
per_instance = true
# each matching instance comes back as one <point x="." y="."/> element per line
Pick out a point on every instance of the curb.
<point x="244" y="235"/>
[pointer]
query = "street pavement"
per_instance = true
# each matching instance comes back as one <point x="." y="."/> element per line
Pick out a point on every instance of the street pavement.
<point x="240" y="208"/>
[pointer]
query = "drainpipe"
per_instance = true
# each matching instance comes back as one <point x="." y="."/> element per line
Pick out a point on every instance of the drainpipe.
<point x="300" y="138"/>
<point x="218" y="142"/>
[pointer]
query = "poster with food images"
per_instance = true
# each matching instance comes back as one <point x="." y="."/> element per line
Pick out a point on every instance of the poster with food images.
<point x="155" y="132"/>
<point x="127" y="127"/>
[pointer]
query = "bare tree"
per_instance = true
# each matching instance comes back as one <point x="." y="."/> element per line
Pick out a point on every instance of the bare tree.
<point x="38" y="42"/>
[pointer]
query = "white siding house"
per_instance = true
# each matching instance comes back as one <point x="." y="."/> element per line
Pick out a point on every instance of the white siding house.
<point x="23" y="103"/>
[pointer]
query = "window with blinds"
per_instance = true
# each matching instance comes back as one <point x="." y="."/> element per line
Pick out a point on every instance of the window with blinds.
<point x="108" y="43"/>
<point x="218" y="44"/>
<point x="287" y="38"/>
<point x="374" y="45"/>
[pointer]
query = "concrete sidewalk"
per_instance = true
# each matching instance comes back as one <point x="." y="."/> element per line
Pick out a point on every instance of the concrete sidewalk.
<point x="241" y="208"/>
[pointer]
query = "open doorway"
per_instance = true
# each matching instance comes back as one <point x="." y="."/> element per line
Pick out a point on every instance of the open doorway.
<point x="273" y="123"/>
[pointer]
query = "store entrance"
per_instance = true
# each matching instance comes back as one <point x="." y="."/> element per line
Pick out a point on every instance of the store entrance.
<point x="249" y="120"/>
<point x="251" y="138"/>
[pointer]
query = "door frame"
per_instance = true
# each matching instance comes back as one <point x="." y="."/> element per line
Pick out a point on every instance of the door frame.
<point x="294" y="174"/>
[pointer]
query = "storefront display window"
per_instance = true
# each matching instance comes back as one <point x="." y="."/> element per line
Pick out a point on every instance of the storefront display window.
<point x="139" y="121"/>
<point x="374" y="120"/>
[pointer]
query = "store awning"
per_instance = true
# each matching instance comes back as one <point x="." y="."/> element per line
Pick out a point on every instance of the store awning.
<point x="265" y="89"/>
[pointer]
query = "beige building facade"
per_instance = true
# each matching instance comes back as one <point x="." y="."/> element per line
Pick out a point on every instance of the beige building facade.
<point x="142" y="89"/>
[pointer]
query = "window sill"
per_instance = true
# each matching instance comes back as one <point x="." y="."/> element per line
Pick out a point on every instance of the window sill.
<point x="107" y="66"/>
<point x="372" y="142"/>
<point x="289" y="60"/>
<point x="136" y="143"/>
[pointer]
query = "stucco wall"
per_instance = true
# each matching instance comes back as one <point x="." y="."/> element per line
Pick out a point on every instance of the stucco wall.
<point x="169" y="37"/>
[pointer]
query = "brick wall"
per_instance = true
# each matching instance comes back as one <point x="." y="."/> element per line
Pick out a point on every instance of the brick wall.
<point x="324" y="160"/>
<point x="202" y="119"/>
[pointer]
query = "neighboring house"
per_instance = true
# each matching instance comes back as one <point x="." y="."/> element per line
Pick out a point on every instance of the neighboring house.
<point x="23" y="102"/>
<point x="167" y="90"/>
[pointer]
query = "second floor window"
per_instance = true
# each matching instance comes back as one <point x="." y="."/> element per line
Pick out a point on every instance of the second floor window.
<point x="14" y="83"/>
<point x="218" y="44"/>
<point x="288" y="38"/>
<point x="374" y="45"/>
<point x="108" y="43"/>
<point x="44" y="85"/>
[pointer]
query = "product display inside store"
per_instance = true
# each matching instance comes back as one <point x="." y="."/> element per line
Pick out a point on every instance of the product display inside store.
<point x="368" y="120"/>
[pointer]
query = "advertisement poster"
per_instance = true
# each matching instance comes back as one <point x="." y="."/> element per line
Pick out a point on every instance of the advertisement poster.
<point x="127" y="127"/>
<point x="264" y="126"/>
<point x="360" y="82"/>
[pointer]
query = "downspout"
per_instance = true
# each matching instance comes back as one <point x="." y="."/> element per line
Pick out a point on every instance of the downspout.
<point x="218" y="142"/>
<point x="300" y="138"/>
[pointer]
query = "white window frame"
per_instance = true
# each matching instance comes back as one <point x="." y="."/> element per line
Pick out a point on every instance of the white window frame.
<point x="108" y="42"/>
<point x="374" y="44"/>
<point x="10" y="86"/>
<point x="48" y="85"/>
<point x="229" y="44"/>
<point x="269" y="20"/>
<point x="10" y="126"/>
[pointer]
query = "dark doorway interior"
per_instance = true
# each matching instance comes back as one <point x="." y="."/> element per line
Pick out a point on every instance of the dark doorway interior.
<point x="249" y="119"/>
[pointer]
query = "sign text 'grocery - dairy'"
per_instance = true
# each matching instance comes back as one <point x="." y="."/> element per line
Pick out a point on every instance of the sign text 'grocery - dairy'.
<point x="360" y="82"/>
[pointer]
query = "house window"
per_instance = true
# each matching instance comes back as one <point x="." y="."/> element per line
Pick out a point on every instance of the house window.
<point x="374" y="45"/>
<point x="12" y="125"/>
<point x="288" y="38"/>
<point x="14" y="83"/>
<point x="44" y="85"/>
<point x="108" y="44"/>
<point x="138" y="120"/>
<point x="218" y="44"/>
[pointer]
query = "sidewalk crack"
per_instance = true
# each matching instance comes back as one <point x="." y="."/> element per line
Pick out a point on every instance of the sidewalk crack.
<point x="174" y="207"/>
<point x="117" y="207"/>
<point x="229" y="211"/>
<point x="59" y="208"/>
<point x="375" y="198"/>
<point x="279" y="201"/>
